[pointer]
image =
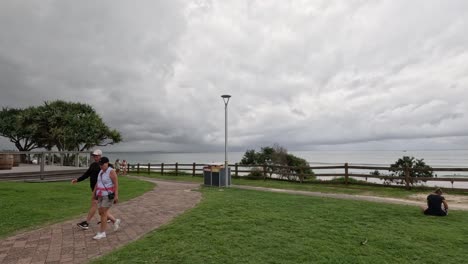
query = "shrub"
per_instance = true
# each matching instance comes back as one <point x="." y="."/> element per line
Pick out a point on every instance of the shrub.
<point x="417" y="168"/>
<point x="342" y="180"/>
<point x="278" y="156"/>
<point x="255" y="174"/>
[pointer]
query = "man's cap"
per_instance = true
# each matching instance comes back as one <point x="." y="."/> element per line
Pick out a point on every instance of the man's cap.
<point x="97" y="152"/>
<point x="103" y="160"/>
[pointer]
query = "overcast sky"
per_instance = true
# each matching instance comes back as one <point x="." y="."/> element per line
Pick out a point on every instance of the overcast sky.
<point x="307" y="75"/>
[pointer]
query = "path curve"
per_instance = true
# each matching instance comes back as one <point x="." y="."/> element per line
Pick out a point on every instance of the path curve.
<point x="462" y="207"/>
<point x="65" y="243"/>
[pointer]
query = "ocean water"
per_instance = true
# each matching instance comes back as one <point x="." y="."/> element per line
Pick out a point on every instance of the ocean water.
<point x="436" y="158"/>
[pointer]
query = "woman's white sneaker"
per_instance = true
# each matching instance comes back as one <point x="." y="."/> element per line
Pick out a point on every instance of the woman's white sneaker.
<point x="117" y="224"/>
<point x="100" y="235"/>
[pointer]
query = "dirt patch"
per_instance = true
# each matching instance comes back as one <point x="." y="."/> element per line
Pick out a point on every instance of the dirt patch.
<point x="452" y="199"/>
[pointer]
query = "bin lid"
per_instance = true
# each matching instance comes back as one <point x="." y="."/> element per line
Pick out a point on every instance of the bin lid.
<point x="213" y="167"/>
<point x="217" y="163"/>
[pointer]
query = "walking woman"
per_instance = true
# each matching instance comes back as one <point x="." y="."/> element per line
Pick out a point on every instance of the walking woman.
<point x="106" y="192"/>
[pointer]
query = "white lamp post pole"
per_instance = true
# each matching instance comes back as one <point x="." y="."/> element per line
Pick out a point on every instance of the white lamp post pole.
<point x="226" y="101"/>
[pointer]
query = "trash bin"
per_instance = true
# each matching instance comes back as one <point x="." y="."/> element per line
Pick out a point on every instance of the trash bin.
<point x="223" y="177"/>
<point x="215" y="175"/>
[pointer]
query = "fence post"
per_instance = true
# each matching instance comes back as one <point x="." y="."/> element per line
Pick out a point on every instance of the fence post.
<point x="177" y="169"/>
<point x="193" y="169"/>
<point x="236" y="170"/>
<point x="149" y="168"/>
<point x="301" y="175"/>
<point x="264" y="171"/>
<point x="162" y="168"/>
<point x="407" y="178"/>
<point x="346" y="177"/>
<point x="42" y="164"/>
<point x="138" y="168"/>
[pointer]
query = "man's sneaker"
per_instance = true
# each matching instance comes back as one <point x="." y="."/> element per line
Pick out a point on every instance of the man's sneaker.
<point x="108" y="221"/>
<point x="117" y="224"/>
<point x="100" y="235"/>
<point x="83" y="225"/>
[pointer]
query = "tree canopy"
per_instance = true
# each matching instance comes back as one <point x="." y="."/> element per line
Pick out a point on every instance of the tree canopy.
<point x="417" y="168"/>
<point x="16" y="125"/>
<point x="276" y="156"/>
<point x="65" y="125"/>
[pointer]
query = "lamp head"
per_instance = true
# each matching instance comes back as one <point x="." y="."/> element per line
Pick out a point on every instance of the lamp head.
<point x="226" y="98"/>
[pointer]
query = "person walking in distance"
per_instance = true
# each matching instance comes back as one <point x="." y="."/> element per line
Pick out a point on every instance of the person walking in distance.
<point x="117" y="166"/>
<point x="92" y="173"/>
<point x="124" y="167"/>
<point x="107" y="193"/>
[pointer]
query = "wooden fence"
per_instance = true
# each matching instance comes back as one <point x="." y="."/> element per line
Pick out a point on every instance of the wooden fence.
<point x="295" y="173"/>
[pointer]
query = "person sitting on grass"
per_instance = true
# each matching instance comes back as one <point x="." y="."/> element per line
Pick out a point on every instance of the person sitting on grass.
<point x="436" y="204"/>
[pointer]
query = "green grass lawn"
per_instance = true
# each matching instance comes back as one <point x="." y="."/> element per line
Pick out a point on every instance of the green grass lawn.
<point x="28" y="205"/>
<point x="370" y="190"/>
<point x="241" y="226"/>
<point x="170" y="176"/>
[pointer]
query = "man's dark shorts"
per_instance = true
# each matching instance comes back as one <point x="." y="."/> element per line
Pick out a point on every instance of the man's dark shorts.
<point x="436" y="213"/>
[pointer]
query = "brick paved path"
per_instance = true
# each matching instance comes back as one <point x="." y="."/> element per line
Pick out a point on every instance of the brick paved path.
<point x="66" y="243"/>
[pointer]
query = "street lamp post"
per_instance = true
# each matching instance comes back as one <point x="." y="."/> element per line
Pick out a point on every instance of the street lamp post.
<point x="226" y="170"/>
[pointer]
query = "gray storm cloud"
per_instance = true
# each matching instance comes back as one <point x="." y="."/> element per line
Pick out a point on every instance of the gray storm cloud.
<point x="306" y="74"/>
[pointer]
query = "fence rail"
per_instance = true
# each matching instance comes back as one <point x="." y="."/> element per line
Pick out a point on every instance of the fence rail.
<point x="48" y="159"/>
<point x="42" y="165"/>
<point x="268" y="171"/>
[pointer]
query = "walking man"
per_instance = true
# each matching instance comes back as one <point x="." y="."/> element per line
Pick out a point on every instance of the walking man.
<point x="92" y="173"/>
